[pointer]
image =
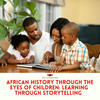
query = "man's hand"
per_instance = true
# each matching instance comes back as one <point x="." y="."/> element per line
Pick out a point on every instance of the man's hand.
<point x="48" y="56"/>
<point x="3" y="62"/>
<point x="4" y="59"/>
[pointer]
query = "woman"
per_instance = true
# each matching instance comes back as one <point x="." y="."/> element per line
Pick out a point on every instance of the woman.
<point x="55" y="33"/>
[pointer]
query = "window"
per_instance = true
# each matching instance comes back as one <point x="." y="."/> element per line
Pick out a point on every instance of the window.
<point x="49" y="16"/>
<point x="49" y="13"/>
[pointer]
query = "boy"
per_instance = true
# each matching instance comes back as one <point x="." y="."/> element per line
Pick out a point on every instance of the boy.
<point x="74" y="52"/>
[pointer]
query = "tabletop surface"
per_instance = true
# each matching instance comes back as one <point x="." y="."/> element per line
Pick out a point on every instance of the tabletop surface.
<point x="15" y="69"/>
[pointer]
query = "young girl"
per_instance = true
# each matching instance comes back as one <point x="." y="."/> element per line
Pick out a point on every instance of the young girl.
<point x="55" y="33"/>
<point x="22" y="53"/>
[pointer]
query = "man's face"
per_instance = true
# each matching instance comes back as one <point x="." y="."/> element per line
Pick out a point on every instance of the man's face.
<point x="33" y="31"/>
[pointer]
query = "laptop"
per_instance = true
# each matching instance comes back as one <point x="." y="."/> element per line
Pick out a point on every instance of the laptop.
<point x="33" y="65"/>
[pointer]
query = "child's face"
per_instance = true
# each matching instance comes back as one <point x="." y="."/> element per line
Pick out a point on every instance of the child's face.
<point x="66" y="38"/>
<point x="24" y="48"/>
<point x="56" y="36"/>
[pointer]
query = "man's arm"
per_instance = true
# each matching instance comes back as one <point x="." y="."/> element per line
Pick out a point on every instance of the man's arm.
<point x="4" y="58"/>
<point x="48" y="56"/>
<point x="12" y="60"/>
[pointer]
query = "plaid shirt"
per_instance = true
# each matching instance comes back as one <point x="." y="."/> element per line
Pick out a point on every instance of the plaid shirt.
<point x="76" y="52"/>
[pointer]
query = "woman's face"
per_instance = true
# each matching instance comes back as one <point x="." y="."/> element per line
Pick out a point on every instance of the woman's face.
<point x="56" y="36"/>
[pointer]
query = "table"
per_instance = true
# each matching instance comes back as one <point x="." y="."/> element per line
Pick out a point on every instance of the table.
<point x="14" y="69"/>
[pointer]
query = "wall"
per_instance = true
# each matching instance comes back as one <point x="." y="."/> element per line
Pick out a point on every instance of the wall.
<point x="82" y="11"/>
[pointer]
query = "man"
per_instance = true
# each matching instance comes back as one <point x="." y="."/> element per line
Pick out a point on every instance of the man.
<point x="41" y="43"/>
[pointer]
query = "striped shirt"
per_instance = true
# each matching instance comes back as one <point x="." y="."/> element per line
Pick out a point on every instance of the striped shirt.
<point x="76" y="52"/>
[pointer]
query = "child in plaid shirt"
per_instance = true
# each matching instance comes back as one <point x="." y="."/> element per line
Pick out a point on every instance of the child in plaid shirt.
<point x="74" y="53"/>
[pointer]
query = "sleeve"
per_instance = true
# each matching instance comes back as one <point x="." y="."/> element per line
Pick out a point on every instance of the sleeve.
<point x="49" y="45"/>
<point x="63" y="51"/>
<point x="32" y="53"/>
<point x="10" y="49"/>
<point x="16" y="53"/>
<point x="83" y="57"/>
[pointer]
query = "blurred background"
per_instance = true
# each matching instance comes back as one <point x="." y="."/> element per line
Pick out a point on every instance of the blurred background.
<point x="83" y="12"/>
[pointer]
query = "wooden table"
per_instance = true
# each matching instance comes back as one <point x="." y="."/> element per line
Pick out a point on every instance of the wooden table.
<point x="14" y="69"/>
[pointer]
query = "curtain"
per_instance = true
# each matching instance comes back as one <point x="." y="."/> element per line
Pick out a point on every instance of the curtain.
<point x="54" y="2"/>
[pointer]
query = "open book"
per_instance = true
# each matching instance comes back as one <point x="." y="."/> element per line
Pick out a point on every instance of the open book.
<point x="33" y="65"/>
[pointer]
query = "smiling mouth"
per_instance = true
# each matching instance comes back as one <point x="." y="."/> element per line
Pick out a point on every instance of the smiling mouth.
<point x="55" y="41"/>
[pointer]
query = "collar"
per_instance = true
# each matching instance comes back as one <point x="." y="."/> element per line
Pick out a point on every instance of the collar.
<point x="73" y="47"/>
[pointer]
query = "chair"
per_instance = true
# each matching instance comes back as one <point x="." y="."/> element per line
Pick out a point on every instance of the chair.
<point x="4" y="45"/>
<point x="94" y="51"/>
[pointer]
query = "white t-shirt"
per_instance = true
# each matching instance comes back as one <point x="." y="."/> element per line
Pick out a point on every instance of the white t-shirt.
<point x="43" y="45"/>
<point x="19" y="57"/>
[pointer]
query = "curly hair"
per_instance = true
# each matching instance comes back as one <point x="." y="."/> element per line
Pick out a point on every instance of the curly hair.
<point x="16" y="40"/>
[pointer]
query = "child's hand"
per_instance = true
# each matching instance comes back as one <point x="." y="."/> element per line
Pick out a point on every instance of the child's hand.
<point x="24" y="60"/>
<point x="29" y="61"/>
<point x="52" y="63"/>
<point x="56" y="69"/>
<point x="59" y="64"/>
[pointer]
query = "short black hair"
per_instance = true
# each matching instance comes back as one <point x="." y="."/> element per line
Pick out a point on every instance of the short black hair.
<point x="72" y="28"/>
<point x="28" y="21"/>
<point x="58" y="24"/>
<point x="16" y="40"/>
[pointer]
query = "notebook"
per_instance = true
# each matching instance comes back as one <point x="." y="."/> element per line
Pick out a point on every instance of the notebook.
<point x="33" y="65"/>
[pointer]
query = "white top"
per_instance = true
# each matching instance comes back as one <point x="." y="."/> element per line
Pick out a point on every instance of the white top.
<point x="56" y="58"/>
<point x="43" y="45"/>
<point x="16" y="53"/>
